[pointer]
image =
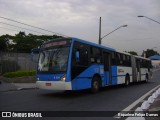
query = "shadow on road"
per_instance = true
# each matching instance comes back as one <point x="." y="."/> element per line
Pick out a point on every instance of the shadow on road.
<point x="87" y="92"/>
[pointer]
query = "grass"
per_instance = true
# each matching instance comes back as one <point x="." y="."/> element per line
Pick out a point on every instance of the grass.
<point x="20" y="73"/>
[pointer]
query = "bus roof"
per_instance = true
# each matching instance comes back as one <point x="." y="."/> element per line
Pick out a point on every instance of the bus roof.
<point x="123" y="52"/>
<point x="141" y="57"/>
<point x="94" y="44"/>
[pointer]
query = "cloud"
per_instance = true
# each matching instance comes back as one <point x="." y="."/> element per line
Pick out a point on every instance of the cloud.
<point x="80" y="18"/>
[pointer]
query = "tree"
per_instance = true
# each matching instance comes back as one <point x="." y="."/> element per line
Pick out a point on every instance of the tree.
<point x="23" y="43"/>
<point x="4" y="42"/>
<point x="150" y="52"/>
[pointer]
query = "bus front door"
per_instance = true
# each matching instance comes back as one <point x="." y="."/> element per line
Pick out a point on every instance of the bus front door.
<point x="107" y="68"/>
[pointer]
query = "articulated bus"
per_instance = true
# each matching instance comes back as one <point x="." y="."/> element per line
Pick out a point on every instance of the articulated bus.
<point x="74" y="64"/>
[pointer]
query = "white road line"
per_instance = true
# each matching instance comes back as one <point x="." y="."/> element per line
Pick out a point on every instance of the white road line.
<point x="137" y="101"/>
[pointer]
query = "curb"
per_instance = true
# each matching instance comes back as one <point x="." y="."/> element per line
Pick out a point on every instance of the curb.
<point x="27" y="88"/>
<point x="18" y="89"/>
<point x="145" y="105"/>
<point x="6" y="87"/>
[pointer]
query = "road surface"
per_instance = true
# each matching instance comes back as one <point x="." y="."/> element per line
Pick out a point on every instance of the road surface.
<point x="114" y="98"/>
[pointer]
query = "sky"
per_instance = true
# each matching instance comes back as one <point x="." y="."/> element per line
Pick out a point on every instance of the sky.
<point x="80" y="19"/>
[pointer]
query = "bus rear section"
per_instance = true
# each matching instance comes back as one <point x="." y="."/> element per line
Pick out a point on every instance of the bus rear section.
<point x="141" y="69"/>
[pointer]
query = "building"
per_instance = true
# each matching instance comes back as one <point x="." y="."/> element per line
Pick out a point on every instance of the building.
<point x="155" y="61"/>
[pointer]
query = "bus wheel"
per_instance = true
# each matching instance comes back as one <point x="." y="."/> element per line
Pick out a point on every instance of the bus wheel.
<point x="95" y="85"/>
<point x="127" y="80"/>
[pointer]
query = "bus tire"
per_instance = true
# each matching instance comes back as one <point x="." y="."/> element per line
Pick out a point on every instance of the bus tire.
<point x="127" y="80"/>
<point x="146" y="79"/>
<point x="95" y="84"/>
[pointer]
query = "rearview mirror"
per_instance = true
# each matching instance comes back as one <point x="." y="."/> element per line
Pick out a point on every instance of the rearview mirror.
<point x="34" y="54"/>
<point x="77" y="56"/>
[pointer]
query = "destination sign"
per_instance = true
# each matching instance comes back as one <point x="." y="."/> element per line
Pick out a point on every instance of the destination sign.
<point x="56" y="43"/>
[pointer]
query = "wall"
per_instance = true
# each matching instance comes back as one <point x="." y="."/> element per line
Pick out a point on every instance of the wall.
<point x="10" y="62"/>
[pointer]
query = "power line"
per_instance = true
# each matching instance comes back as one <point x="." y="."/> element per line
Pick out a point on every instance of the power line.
<point x="21" y="27"/>
<point x="32" y="26"/>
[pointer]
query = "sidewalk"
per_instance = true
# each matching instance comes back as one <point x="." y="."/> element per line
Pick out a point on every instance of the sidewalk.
<point x="149" y="106"/>
<point x="25" y="85"/>
<point x="7" y="86"/>
<point x="4" y="86"/>
<point x="155" y="107"/>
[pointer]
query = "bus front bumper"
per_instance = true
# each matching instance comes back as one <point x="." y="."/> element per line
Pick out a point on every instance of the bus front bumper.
<point x="54" y="85"/>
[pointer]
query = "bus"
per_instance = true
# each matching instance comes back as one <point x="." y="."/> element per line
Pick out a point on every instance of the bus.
<point x="75" y="64"/>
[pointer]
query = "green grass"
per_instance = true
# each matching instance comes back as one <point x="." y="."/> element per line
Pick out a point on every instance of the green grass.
<point x="20" y="73"/>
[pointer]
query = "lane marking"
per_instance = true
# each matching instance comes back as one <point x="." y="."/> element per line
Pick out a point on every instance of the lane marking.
<point x="137" y="101"/>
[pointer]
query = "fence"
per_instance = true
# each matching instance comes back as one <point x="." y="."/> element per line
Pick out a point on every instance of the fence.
<point x="10" y="62"/>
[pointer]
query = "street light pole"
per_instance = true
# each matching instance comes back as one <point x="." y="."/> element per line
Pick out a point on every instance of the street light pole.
<point x="114" y="30"/>
<point x="100" y="38"/>
<point x="100" y="30"/>
<point x="149" y="18"/>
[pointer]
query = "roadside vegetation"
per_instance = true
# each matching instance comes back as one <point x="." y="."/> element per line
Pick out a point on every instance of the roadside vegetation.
<point x="20" y="73"/>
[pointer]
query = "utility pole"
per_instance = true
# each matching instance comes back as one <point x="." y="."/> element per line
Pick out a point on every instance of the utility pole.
<point x="100" y="31"/>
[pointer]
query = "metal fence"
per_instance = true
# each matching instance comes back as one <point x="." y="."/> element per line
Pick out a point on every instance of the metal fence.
<point x="10" y="62"/>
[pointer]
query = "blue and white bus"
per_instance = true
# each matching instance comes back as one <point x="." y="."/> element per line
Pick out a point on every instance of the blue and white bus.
<point x="74" y="64"/>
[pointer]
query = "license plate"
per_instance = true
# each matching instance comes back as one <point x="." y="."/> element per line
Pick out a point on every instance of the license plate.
<point x="48" y="84"/>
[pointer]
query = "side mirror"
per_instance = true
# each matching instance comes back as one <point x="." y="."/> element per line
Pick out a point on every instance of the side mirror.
<point x="34" y="54"/>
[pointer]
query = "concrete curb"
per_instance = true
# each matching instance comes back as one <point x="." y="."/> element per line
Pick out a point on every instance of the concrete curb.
<point x="27" y="88"/>
<point x="5" y="87"/>
<point x="146" y="104"/>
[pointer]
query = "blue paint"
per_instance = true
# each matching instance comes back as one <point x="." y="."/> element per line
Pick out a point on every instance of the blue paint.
<point x="103" y="80"/>
<point x="83" y="81"/>
<point x="50" y="77"/>
<point x="106" y="78"/>
<point x="114" y="73"/>
<point x="68" y="74"/>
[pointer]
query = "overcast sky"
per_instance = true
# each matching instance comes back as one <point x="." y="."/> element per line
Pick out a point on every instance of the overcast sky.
<point x="80" y="18"/>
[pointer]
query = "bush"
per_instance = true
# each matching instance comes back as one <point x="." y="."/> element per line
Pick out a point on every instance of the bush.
<point x="20" y="73"/>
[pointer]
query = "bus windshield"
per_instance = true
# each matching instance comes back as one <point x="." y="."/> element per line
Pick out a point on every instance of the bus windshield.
<point x="53" y="60"/>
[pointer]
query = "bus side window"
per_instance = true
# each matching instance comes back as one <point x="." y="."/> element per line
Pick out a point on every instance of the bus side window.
<point x="81" y="57"/>
<point x="118" y="56"/>
<point x="84" y="57"/>
<point x="96" y="54"/>
<point x="113" y="59"/>
<point x="77" y="56"/>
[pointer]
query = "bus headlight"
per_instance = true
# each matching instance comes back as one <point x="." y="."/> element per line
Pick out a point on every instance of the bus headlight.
<point x="63" y="78"/>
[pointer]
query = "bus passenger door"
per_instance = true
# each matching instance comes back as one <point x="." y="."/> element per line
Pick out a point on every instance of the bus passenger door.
<point x="107" y="68"/>
<point x="138" y="71"/>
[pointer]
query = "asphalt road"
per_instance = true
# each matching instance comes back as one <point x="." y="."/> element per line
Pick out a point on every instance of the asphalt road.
<point x="114" y="98"/>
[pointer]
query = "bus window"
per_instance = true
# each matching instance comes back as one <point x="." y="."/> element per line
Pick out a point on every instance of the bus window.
<point x="113" y="59"/>
<point x="81" y="56"/>
<point x="84" y="57"/>
<point x="77" y="56"/>
<point x="96" y="55"/>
